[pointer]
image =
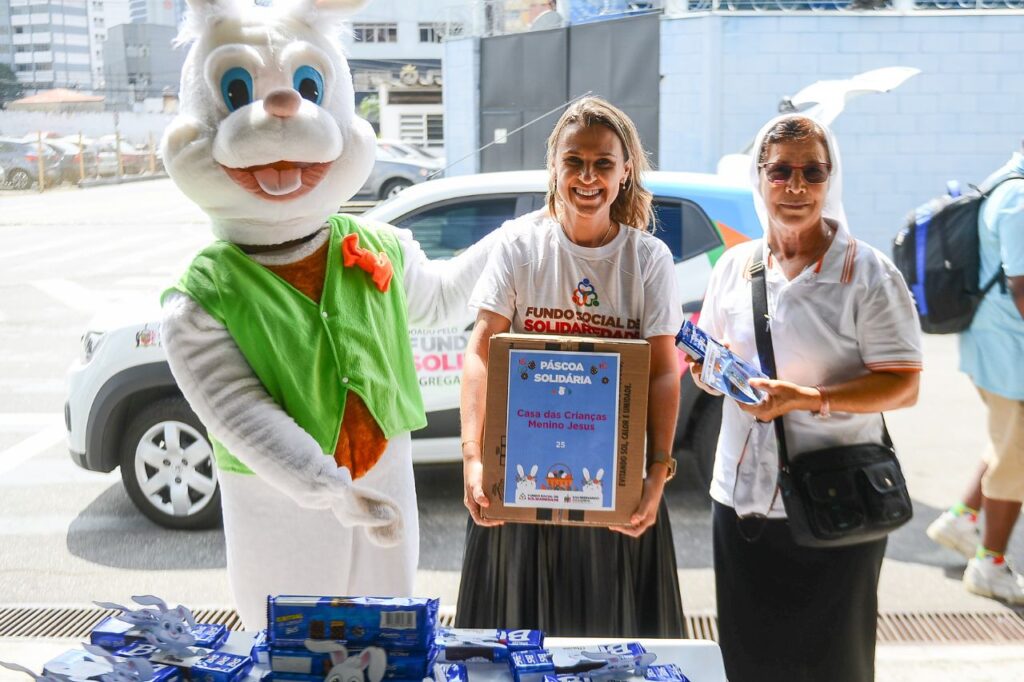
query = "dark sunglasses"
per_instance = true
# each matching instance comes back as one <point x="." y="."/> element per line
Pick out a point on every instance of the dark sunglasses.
<point x="779" y="173"/>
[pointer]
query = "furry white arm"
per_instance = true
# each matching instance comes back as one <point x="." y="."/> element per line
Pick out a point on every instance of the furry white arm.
<point x="437" y="290"/>
<point x="235" y="407"/>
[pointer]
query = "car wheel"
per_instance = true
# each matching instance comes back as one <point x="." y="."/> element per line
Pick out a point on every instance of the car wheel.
<point x="168" y="469"/>
<point x="393" y="187"/>
<point x="19" y="179"/>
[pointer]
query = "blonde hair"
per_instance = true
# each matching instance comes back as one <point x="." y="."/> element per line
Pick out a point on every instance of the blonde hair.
<point x="632" y="206"/>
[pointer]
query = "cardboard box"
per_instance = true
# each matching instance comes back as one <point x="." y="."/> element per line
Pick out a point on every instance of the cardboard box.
<point x="565" y="429"/>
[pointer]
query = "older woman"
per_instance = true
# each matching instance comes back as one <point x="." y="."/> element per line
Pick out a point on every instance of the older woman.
<point x="566" y="580"/>
<point x="847" y="347"/>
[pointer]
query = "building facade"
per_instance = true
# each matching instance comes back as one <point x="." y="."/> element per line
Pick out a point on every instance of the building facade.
<point x="139" y="63"/>
<point x="46" y="43"/>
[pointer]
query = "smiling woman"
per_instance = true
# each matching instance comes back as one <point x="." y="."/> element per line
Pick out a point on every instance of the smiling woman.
<point x="588" y="251"/>
<point x="846" y="343"/>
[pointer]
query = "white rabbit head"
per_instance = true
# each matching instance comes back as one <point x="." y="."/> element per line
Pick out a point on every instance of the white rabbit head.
<point x="368" y="666"/>
<point x="524" y="481"/>
<point x="267" y="141"/>
<point x="592" y="484"/>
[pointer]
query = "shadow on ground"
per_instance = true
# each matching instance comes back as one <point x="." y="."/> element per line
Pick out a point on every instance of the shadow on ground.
<point x="112" y="532"/>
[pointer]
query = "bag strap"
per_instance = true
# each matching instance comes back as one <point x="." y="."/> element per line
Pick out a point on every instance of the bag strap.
<point x="763" y="336"/>
<point x="985" y="190"/>
<point x="766" y="351"/>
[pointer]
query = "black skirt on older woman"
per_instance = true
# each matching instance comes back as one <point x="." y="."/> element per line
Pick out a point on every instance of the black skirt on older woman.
<point x="571" y="581"/>
<point x="793" y="614"/>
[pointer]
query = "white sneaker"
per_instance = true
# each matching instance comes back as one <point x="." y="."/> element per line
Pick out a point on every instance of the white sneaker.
<point x="957" y="533"/>
<point x="986" y="578"/>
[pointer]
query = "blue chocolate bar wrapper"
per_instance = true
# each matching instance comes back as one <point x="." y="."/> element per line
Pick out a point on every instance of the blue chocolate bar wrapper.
<point x="205" y="665"/>
<point x="456" y="644"/>
<point x="113" y="633"/>
<point x="603" y="660"/>
<point x="392" y="622"/>
<point x="669" y="672"/>
<point x="450" y="672"/>
<point x="261" y="649"/>
<point x="300" y="664"/>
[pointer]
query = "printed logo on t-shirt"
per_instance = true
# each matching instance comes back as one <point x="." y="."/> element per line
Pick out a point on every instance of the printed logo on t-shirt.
<point x="585" y="294"/>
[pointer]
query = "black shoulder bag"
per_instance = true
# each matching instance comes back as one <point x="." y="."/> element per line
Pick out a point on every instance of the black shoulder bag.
<point x="836" y="496"/>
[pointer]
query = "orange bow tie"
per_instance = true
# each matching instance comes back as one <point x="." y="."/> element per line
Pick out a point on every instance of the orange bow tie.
<point x="377" y="264"/>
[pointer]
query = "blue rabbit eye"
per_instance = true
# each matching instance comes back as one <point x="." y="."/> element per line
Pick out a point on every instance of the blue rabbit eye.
<point x="310" y="84"/>
<point x="236" y="88"/>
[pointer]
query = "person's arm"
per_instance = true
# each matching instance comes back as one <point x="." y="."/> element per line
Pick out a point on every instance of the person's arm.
<point x="662" y="410"/>
<point x="437" y="290"/>
<point x="1015" y="285"/>
<point x="873" y="392"/>
<point x="472" y="406"/>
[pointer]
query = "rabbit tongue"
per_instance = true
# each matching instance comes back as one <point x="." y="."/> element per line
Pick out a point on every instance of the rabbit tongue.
<point x="279" y="182"/>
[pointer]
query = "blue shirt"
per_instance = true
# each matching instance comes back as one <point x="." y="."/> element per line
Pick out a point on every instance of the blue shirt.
<point x="991" y="351"/>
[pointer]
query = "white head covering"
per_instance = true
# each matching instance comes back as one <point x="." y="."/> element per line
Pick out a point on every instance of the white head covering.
<point x="833" y="208"/>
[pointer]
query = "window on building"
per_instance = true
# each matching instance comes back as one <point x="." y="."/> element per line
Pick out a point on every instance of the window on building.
<point x="431" y="33"/>
<point x="435" y="33"/>
<point x="423" y="129"/>
<point x="375" y="33"/>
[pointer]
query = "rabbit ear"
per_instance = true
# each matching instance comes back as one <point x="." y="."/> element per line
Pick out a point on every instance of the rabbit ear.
<point x="600" y="475"/>
<point x="98" y="651"/>
<point x="141" y="667"/>
<point x="20" y="669"/>
<point x="533" y="471"/>
<point x="374" y="661"/>
<point x="150" y="600"/>
<point x="522" y="473"/>
<point x="586" y="474"/>
<point x="311" y="10"/>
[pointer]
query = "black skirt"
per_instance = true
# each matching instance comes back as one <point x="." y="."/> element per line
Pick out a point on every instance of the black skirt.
<point x="791" y="613"/>
<point x="571" y="581"/>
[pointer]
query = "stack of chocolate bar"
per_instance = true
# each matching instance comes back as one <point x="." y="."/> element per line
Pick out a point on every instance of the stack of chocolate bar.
<point x="372" y="638"/>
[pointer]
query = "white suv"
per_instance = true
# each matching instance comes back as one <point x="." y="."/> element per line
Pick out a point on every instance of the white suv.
<point x="125" y="410"/>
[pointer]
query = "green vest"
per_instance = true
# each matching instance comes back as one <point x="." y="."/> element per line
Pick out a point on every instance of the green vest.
<point x="308" y="355"/>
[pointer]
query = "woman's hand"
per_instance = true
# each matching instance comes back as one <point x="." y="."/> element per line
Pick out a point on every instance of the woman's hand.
<point x="646" y="513"/>
<point x="472" y="476"/>
<point x="696" y="366"/>
<point x="781" y="397"/>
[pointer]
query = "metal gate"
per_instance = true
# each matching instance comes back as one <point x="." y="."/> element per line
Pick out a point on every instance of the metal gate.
<point x="524" y="75"/>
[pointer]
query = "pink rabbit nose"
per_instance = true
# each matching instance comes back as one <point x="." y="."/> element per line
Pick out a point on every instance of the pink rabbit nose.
<point x="283" y="102"/>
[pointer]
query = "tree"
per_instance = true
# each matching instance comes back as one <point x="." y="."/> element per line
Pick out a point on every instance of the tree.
<point x="369" y="108"/>
<point x="10" y="88"/>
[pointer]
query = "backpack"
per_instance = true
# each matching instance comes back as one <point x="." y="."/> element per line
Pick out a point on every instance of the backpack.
<point x="937" y="253"/>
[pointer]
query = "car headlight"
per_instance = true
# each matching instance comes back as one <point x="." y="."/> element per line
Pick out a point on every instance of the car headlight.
<point x="424" y="172"/>
<point x="90" y="342"/>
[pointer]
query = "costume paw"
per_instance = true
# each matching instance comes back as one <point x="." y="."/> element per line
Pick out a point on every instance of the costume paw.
<point x="376" y="512"/>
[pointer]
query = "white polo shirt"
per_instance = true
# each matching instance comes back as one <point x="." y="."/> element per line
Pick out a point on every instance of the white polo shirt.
<point x="843" y="317"/>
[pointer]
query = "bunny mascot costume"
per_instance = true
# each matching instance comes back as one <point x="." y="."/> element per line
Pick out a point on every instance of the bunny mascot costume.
<point x="289" y="334"/>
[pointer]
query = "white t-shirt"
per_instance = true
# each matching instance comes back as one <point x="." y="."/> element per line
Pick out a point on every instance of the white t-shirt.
<point x="546" y="284"/>
<point x="841" y="318"/>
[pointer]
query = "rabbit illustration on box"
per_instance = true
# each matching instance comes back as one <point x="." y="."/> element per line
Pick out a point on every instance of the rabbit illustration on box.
<point x="525" y="483"/>
<point x="289" y="335"/>
<point x="592" y="486"/>
<point x="167" y="629"/>
<point x="133" y="669"/>
<point x="368" y="666"/>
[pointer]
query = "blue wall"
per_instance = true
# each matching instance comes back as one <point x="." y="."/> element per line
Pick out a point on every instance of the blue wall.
<point x="961" y="117"/>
